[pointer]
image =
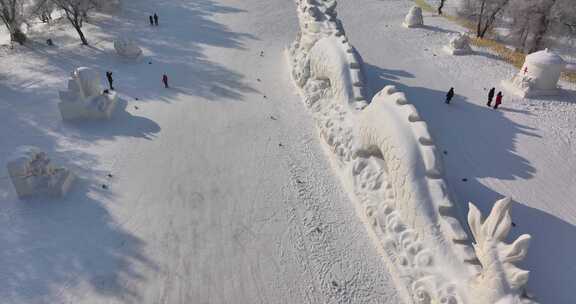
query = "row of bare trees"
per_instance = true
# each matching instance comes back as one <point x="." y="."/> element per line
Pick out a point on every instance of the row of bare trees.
<point x="530" y="24"/>
<point x="15" y="13"/>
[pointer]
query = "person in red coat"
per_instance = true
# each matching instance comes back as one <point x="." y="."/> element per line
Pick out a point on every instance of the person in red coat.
<point x="165" y="80"/>
<point x="498" y="100"/>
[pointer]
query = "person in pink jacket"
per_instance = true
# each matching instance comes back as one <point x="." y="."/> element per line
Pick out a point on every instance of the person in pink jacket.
<point x="498" y="100"/>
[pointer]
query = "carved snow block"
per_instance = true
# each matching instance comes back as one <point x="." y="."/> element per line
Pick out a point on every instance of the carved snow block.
<point x="85" y="98"/>
<point x="33" y="174"/>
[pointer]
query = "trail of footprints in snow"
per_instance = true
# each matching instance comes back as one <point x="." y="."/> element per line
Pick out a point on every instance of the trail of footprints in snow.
<point x="321" y="259"/>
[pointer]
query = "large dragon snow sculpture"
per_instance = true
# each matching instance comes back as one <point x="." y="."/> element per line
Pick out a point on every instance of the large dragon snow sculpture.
<point x="388" y="161"/>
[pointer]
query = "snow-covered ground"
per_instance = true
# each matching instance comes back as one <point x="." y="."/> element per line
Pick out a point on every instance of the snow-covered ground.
<point x="220" y="191"/>
<point x="524" y="150"/>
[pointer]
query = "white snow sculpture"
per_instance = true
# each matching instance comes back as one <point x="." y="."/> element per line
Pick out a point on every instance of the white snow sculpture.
<point x="389" y="163"/>
<point x="459" y="45"/>
<point x="84" y="98"/>
<point x="499" y="281"/>
<point x="414" y="17"/>
<point x="539" y="75"/>
<point x="32" y="173"/>
<point x="127" y="48"/>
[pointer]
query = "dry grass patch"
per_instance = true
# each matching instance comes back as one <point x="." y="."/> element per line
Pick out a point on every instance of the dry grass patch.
<point x="499" y="49"/>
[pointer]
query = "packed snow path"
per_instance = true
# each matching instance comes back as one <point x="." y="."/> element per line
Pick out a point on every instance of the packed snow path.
<point x="524" y="150"/>
<point x="219" y="190"/>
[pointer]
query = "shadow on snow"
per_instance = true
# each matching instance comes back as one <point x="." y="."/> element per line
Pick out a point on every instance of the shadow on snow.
<point x="53" y="245"/>
<point x="479" y="135"/>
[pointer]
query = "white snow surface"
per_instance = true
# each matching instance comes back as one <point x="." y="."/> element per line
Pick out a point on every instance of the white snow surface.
<point x="524" y="150"/>
<point x="220" y="191"/>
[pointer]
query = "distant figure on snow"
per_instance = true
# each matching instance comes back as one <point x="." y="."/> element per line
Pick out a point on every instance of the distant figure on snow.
<point x="110" y="80"/>
<point x="449" y="95"/>
<point x="155" y="19"/>
<point x="491" y="96"/>
<point x="165" y="80"/>
<point x="151" y="20"/>
<point x="498" y="100"/>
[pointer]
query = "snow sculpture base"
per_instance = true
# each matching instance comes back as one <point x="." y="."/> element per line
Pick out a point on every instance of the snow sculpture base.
<point x="457" y="52"/>
<point x="520" y="86"/>
<point x="459" y="45"/>
<point x="414" y="18"/>
<point x="32" y="174"/>
<point x="85" y="99"/>
<point x="127" y="48"/>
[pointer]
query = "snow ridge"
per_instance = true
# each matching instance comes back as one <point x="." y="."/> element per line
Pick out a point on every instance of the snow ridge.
<point x="388" y="162"/>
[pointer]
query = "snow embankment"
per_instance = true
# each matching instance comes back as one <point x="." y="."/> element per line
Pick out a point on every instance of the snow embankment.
<point x="389" y="164"/>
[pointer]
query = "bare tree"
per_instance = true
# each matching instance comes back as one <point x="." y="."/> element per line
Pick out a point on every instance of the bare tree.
<point x="43" y="10"/>
<point x="11" y="14"/>
<point x="440" y="6"/>
<point x="76" y="12"/>
<point x="487" y="13"/>
<point x="544" y="19"/>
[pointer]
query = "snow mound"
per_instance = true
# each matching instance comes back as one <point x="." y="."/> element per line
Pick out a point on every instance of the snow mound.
<point x="85" y="98"/>
<point x="459" y="45"/>
<point x="33" y="174"/>
<point x="414" y="18"/>
<point x="127" y="48"/>
<point x="539" y="75"/>
<point x="389" y="164"/>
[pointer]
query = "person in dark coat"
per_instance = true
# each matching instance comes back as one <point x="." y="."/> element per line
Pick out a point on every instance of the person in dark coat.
<point x="110" y="80"/>
<point x="151" y="20"/>
<point x="155" y="19"/>
<point x="165" y="80"/>
<point x="498" y="100"/>
<point x="491" y="96"/>
<point x="449" y="95"/>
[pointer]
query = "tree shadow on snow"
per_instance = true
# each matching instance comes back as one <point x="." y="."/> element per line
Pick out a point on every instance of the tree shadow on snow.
<point x="53" y="245"/>
<point x="482" y="142"/>
<point x="50" y="245"/>
<point x="176" y="48"/>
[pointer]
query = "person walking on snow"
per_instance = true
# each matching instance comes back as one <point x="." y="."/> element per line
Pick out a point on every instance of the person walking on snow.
<point x="165" y="80"/>
<point x="498" y="100"/>
<point x="449" y="95"/>
<point x="491" y="96"/>
<point x="155" y="19"/>
<point x="151" y="20"/>
<point x="110" y="80"/>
